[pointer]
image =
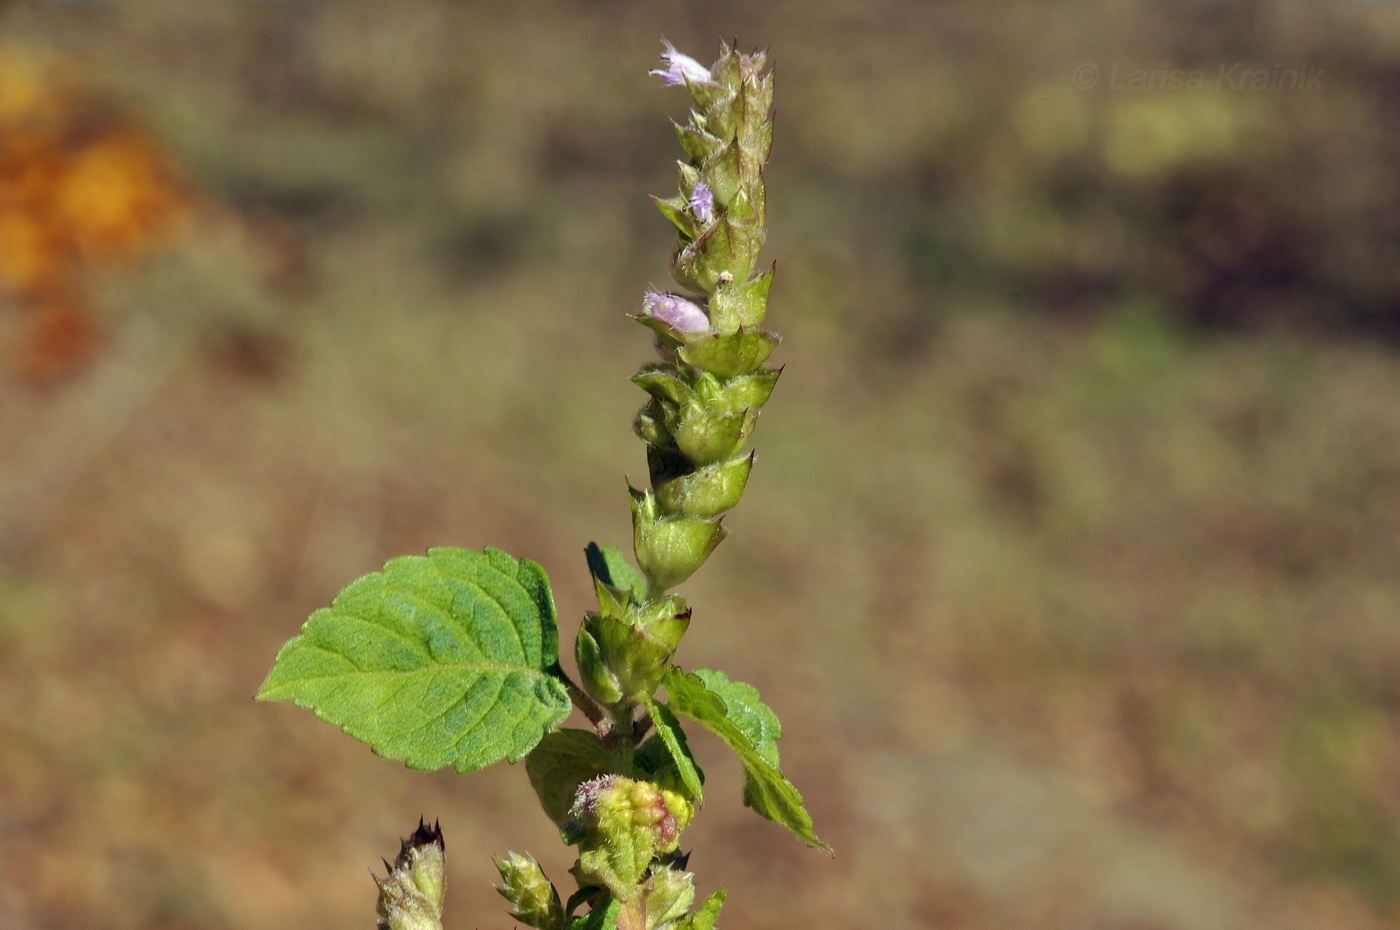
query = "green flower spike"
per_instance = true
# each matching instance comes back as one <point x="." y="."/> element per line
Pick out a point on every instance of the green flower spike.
<point x="710" y="384"/>
<point x="524" y="885"/>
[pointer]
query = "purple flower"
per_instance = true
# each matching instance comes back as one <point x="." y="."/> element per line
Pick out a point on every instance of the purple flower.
<point x="679" y="67"/>
<point x="682" y="315"/>
<point x="702" y="202"/>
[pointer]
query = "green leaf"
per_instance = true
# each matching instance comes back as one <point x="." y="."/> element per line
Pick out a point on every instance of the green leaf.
<point x="448" y="659"/>
<point x="668" y="730"/>
<point x="610" y="566"/>
<point x="602" y="917"/>
<point x="747" y="711"/>
<point x="748" y="730"/>
<point x="653" y="761"/>
<point x="707" y="915"/>
<point x="561" y="762"/>
<point x="580" y="897"/>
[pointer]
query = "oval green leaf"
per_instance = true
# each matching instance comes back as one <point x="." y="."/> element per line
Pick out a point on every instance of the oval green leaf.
<point x="449" y="659"/>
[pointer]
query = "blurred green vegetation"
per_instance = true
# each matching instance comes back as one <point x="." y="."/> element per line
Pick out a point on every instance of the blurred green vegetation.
<point x="1076" y="525"/>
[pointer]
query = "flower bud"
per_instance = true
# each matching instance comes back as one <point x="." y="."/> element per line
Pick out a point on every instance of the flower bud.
<point x="625" y="647"/>
<point x="620" y="825"/>
<point x="598" y="679"/>
<point x="748" y="392"/>
<point x="729" y="354"/>
<point x="680" y="314"/>
<point x="698" y="143"/>
<point x="650" y="425"/>
<point x="411" y="895"/>
<point x="628" y="659"/>
<point x="664" y="621"/>
<point x="535" y="898"/>
<point x="664" y="383"/>
<point x="721" y="172"/>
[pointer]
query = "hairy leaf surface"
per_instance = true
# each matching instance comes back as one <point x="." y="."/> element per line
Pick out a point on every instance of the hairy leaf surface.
<point x="744" y="730"/>
<point x="747" y="711"/>
<point x="610" y="566"/>
<point x="561" y="762"/>
<point x="603" y="916"/>
<point x="668" y="730"/>
<point x="446" y="659"/>
<point x="707" y="915"/>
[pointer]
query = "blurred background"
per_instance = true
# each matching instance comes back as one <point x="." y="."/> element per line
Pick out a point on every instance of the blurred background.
<point x="1072" y="560"/>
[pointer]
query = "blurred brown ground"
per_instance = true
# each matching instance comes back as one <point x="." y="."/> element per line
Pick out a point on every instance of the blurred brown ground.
<point x="1072" y="561"/>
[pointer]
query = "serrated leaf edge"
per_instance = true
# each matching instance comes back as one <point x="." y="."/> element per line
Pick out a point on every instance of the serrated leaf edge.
<point x="811" y="837"/>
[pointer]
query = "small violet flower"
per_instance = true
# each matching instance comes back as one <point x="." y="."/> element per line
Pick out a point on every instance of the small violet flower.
<point x="679" y="67"/>
<point x="702" y="202"/>
<point x="682" y="315"/>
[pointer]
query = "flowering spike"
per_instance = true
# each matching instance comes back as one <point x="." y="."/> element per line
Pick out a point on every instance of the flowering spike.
<point x="708" y="387"/>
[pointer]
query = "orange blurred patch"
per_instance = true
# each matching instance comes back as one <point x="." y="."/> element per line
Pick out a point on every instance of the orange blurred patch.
<point x="57" y="338"/>
<point x="79" y="191"/>
<point x="116" y="197"/>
